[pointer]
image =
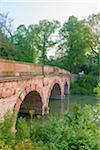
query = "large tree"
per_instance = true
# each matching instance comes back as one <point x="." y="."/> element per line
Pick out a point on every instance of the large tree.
<point x="7" y="49"/>
<point x="94" y="57"/>
<point x="94" y="22"/>
<point x="41" y="35"/>
<point x="22" y="42"/>
<point x="6" y="25"/>
<point x="36" y="40"/>
<point x="77" y="38"/>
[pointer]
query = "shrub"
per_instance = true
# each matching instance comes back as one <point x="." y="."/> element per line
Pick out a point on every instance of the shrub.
<point x="77" y="130"/>
<point x="3" y="146"/>
<point x="84" y="85"/>
<point x="23" y="130"/>
<point x="24" y="145"/>
<point x="97" y="91"/>
<point x="5" y="129"/>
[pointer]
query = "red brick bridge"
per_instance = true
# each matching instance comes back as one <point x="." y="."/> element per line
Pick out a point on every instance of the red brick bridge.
<point x="26" y="86"/>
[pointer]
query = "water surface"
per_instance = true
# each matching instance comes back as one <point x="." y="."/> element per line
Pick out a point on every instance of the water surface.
<point x="58" y="107"/>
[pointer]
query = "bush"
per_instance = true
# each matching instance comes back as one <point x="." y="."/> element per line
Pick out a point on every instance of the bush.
<point x="5" y="129"/>
<point x="24" y="145"/>
<point x="23" y="130"/>
<point x="83" y="129"/>
<point x="3" y="146"/>
<point x="77" y="130"/>
<point x="97" y="91"/>
<point x="84" y="85"/>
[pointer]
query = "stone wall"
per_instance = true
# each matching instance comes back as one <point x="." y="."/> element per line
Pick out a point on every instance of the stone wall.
<point x="14" y="68"/>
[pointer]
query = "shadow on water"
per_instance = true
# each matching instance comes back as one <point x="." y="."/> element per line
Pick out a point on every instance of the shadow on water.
<point x="58" y="107"/>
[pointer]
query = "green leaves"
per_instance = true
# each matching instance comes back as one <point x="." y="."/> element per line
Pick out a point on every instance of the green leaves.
<point x="23" y="130"/>
<point x="97" y="91"/>
<point x="78" y="130"/>
<point x="44" y="31"/>
<point x="35" y="40"/>
<point x="84" y="85"/>
<point x="6" y="134"/>
<point x="77" y="36"/>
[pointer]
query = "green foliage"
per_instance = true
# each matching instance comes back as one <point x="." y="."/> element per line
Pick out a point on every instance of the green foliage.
<point x="24" y="145"/>
<point x="3" y="146"/>
<point x="34" y="41"/>
<point x="43" y="132"/>
<point x="23" y="44"/>
<point x="93" y="20"/>
<point x="97" y="91"/>
<point x="7" y="49"/>
<point x="23" y="130"/>
<point x="77" y="37"/>
<point x="78" y="130"/>
<point x="5" y="129"/>
<point x="79" y="45"/>
<point x="84" y="85"/>
<point x="83" y="127"/>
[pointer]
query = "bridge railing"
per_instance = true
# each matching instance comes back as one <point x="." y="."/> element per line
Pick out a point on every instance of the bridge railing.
<point x="9" y="68"/>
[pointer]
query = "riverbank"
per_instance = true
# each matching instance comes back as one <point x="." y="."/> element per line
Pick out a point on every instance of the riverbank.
<point x="78" y="130"/>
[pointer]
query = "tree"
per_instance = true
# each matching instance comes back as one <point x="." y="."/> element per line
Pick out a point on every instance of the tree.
<point x="94" y="23"/>
<point x="7" y="49"/>
<point x="22" y="42"/>
<point x="77" y="37"/>
<point x="42" y="37"/>
<point x="35" y="40"/>
<point x="6" y="25"/>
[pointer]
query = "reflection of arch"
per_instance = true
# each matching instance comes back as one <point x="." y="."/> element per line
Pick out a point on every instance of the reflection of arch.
<point x="55" y="83"/>
<point x="32" y="101"/>
<point x="66" y="88"/>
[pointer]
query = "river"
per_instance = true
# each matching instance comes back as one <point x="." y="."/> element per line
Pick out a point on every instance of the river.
<point x="58" y="107"/>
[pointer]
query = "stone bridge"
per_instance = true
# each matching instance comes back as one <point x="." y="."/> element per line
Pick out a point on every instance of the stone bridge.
<point x="26" y="86"/>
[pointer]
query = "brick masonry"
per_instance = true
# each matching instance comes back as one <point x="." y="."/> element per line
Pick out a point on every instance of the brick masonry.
<point x="17" y="81"/>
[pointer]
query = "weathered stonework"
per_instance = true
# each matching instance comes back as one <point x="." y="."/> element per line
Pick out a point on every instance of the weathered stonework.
<point x="13" y="90"/>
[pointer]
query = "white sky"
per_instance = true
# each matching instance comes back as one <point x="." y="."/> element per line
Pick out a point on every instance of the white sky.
<point x="31" y="11"/>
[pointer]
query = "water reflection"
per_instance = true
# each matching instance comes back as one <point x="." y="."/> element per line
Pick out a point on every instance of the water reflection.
<point x="58" y="107"/>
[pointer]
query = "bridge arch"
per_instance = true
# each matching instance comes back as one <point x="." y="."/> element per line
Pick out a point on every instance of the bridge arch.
<point x="32" y="97"/>
<point x="55" y="88"/>
<point x="55" y="92"/>
<point x="32" y="101"/>
<point x="32" y="91"/>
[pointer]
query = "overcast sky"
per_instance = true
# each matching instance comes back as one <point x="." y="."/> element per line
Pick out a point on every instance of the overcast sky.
<point x="31" y="11"/>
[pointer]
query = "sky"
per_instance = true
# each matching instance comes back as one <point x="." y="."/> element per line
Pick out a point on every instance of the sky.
<point x="31" y="11"/>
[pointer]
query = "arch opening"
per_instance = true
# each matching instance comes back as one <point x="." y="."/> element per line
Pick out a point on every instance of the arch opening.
<point x="32" y="101"/>
<point x="55" y="92"/>
<point x="66" y="89"/>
